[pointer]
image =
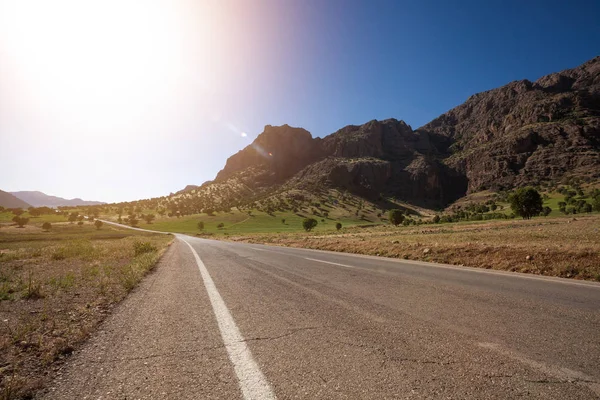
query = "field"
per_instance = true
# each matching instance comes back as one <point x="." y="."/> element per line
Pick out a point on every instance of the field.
<point x="562" y="246"/>
<point x="56" y="286"/>
<point x="235" y="222"/>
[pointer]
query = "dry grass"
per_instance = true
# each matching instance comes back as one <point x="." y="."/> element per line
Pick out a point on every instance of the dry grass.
<point x="56" y="287"/>
<point x="565" y="247"/>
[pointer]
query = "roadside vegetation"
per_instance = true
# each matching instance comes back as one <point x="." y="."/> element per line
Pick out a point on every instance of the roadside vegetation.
<point x="58" y="281"/>
<point x="555" y="246"/>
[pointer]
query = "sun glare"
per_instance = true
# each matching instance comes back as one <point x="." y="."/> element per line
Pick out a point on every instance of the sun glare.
<point x="92" y="59"/>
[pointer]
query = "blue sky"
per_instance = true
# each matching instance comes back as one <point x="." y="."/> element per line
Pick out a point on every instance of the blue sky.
<point x="130" y="99"/>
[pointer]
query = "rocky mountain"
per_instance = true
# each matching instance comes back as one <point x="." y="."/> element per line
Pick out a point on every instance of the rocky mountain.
<point x="39" y="199"/>
<point x="519" y="134"/>
<point x="7" y="200"/>
<point x="525" y="132"/>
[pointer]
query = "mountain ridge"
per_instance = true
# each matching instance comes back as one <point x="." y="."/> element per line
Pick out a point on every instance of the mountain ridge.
<point x="522" y="133"/>
<point x="39" y="199"/>
<point x="8" y="200"/>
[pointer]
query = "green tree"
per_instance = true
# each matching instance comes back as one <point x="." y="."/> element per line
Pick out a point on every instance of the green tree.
<point x="46" y="226"/>
<point x="17" y="211"/>
<point x="20" y="221"/>
<point x="133" y="221"/>
<point x="596" y="201"/>
<point x="396" y="216"/>
<point x="338" y="226"/>
<point x="309" y="223"/>
<point x="149" y="218"/>
<point x="98" y="224"/>
<point x="546" y="211"/>
<point x="73" y="217"/>
<point x="526" y="202"/>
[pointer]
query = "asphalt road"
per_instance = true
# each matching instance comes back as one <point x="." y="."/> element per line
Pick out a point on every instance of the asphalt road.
<point x="221" y="320"/>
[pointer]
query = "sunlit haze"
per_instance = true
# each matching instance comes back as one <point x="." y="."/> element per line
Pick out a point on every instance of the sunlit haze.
<point x="122" y="100"/>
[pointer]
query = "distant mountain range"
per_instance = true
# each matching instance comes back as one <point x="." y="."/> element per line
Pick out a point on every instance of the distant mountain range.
<point x="39" y="199"/>
<point x="7" y="200"/>
<point x="523" y="133"/>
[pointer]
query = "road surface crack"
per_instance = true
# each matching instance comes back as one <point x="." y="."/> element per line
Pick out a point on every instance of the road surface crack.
<point x="292" y="332"/>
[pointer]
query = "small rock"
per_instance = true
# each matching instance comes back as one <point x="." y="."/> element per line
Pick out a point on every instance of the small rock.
<point x="529" y="258"/>
<point x="426" y="251"/>
<point x="395" y="241"/>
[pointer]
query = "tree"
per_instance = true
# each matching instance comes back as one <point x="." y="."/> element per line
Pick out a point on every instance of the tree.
<point x="396" y="216"/>
<point x="20" y="221"/>
<point x="338" y="226"/>
<point x="98" y="224"/>
<point x="309" y="223"/>
<point x="133" y="221"/>
<point x="283" y="221"/>
<point x="436" y="219"/>
<point x="46" y="226"/>
<point x="17" y="211"/>
<point x="149" y="218"/>
<point x="596" y="201"/>
<point x="526" y="202"/>
<point x="546" y="211"/>
<point x="34" y="212"/>
<point x="73" y="217"/>
<point x="201" y="225"/>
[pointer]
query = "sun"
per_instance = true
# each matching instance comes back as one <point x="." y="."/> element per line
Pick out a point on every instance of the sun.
<point x="102" y="63"/>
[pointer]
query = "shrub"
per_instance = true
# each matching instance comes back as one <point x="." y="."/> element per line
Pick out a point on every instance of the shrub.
<point x="200" y="225"/>
<point x="46" y="226"/>
<point x="98" y="224"/>
<point x="309" y="223"/>
<point x="149" y="218"/>
<point x="221" y="225"/>
<point x="396" y="216"/>
<point x="20" y="221"/>
<point x="283" y="221"/>
<point x="436" y="219"/>
<point x="338" y="226"/>
<point x="143" y="247"/>
<point x="546" y="211"/>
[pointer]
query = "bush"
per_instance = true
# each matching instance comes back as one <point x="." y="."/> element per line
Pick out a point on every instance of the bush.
<point x="80" y="223"/>
<point x="143" y="248"/>
<point x="436" y="219"/>
<point x="546" y="211"/>
<point x="396" y="216"/>
<point x="338" y="226"/>
<point x="201" y="225"/>
<point x="98" y="224"/>
<point x="221" y="225"/>
<point x="20" y="221"/>
<point x="309" y="223"/>
<point x="46" y="226"/>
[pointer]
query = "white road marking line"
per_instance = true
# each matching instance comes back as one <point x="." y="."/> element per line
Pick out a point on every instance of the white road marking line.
<point x="252" y="382"/>
<point x="332" y="263"/>
<point x="256" y="248"/>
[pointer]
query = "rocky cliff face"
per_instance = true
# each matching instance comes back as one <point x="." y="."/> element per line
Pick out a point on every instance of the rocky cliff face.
<point x="525" y="132"/>
<point x="276" y="154"/>
<point x="522" y="133"/>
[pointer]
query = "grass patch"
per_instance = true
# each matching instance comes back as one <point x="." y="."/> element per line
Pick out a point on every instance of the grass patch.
<point x="55" y="287"/>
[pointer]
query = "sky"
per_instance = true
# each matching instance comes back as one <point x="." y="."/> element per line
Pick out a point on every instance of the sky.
<point x="120" y="100"/>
